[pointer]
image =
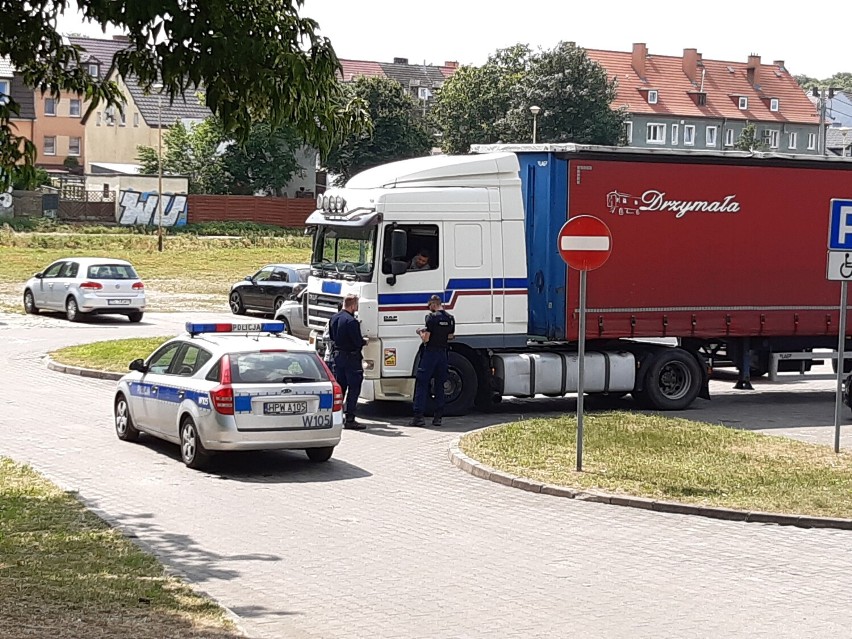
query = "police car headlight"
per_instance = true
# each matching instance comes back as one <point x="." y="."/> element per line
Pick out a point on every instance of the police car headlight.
<point x="369" y="364"/>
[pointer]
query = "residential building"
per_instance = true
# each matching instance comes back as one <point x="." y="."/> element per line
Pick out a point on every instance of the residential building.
<point x="421" y="80"/>
<point x="58" y="131"/>
<point x="12" y="86"/>
<point x="688" y="102"/>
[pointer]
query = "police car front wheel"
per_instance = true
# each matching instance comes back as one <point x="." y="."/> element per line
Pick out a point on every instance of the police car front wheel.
<point x="124" y="428"/>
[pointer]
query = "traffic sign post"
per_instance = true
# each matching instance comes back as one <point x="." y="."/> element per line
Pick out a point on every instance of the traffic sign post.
<point x="839" y="268"/>
<point x="585" y="244"/>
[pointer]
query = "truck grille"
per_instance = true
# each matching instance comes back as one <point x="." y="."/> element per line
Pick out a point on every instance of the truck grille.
<point x="320" y="309"/>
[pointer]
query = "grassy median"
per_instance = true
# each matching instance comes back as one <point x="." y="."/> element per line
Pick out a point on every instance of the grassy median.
<point x="673" y="459"/>
<point x="65" y="573"/>
<point x="113" y="355"/>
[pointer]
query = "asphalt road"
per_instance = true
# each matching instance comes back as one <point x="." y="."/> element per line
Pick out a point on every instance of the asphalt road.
<point x="390" y="540"/>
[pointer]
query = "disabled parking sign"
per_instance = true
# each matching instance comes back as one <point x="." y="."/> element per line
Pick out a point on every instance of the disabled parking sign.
<point x="839" y="263"/>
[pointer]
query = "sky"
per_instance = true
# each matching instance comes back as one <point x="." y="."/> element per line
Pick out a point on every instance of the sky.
<point x="467" y="31"/>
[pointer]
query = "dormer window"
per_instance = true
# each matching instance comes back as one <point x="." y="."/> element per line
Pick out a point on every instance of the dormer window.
<point x="743" y="103"/>
<point x="774" y="105"/>
<point x="653" y="97"/>
<point x="92" y="68"/>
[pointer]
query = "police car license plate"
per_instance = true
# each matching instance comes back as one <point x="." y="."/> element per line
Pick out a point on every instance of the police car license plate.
<point x="285" y="408"/>
<point x="118" y="302"/>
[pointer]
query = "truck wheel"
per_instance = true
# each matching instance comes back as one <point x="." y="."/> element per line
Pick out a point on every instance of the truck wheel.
<point x="460" y="388"/>
<point x="672" y="381"/>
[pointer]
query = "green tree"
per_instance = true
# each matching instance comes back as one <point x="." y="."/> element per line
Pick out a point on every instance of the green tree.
<point x="472" y="103"/>
<point x="256" y="60"/>
<point x="397" y="132"/>
<point x="266" y="162"/>
<point x="574" y="94"/>
<point x="748" y="140"/>
<point x="806" y="81"/>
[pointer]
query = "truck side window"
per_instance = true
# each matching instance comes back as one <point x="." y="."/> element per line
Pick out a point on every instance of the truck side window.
<point x="423" y="248"/>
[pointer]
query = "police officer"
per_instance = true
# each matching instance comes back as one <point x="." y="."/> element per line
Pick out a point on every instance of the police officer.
<point x="434" y="364"/>
<point x="345" y="333"/>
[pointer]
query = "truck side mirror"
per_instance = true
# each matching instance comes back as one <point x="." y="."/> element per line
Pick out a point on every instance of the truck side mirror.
<point x="399" y="244"/>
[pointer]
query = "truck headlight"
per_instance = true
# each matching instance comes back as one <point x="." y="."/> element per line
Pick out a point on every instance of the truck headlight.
<point x="369" y="364"/>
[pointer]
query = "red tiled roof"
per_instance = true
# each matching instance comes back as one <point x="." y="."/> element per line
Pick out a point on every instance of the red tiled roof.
<point x="355" y="68"/>
<point x="724" y="83"/>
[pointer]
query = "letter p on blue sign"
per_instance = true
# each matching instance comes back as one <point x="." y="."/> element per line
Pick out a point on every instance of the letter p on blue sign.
<point x="840" y="226"/>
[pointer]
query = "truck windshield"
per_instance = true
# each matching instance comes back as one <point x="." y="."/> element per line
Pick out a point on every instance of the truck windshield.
<point x="345" y="251"/>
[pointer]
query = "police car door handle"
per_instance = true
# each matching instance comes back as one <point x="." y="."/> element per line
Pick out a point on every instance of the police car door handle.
<point x="181" y="394"/>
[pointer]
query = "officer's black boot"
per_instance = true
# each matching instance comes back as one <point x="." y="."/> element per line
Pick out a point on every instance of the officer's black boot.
<point x="351" y="424"/>
<point x="437" y="420"/>
<point x="417" y="420"/>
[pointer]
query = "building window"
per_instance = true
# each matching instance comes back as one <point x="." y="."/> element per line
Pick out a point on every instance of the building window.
<point x="628" y="133"/>
<point x="73" y="146"/>
<point x="98" y="119"/>
<point x="811" y="141"/>
<point x="93" y="69"/>
<point x="656" y="134"/>
<point x="771" y="138"/>
<point x="135" y="119"/>
<point x="689" y="135"/>
<point x="792" y="140"/>
<point x="74" y="108"/>
<point x="729" y="137"/>
<point x="50" y="106"/>
<point x="774" y="105"/>
<point x="653" y="97"/>
<point x="4" y="91"/>
<point x="122" y="118"/>
<point x="675" y="134"/>
<point x="743" y="103"/>
<point x="50" y="145"/>
<point x="710" y="140"/>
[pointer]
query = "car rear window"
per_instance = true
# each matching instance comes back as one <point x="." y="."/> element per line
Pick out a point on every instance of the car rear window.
<point x="276" y="367"/>
<point x="112" y="272"/>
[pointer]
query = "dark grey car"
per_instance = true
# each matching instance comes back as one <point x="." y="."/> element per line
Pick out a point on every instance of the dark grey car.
<point x="268" y="289"/>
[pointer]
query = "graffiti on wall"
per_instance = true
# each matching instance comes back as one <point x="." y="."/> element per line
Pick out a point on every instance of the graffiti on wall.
<point x="6" y="199"/>
<point x="135" y="207"/>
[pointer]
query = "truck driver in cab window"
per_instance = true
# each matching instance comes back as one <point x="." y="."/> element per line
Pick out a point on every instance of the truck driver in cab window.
<point x="421" y="261"/>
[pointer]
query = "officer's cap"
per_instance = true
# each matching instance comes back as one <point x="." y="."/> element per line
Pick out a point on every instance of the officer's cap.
<point x="436" y="298"/>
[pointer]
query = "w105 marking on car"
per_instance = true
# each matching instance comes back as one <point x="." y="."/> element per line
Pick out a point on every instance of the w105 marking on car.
<point x="316" y="421"/>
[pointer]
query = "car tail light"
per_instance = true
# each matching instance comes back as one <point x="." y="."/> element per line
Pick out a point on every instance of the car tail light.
<point x="223" y="395"/>
<point x="91" y="286"/>
<point x="336" y="389"/>
<point x="138" y="286"/>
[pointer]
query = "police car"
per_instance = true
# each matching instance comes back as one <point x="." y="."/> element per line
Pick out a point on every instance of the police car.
<point x="222" y="387"/>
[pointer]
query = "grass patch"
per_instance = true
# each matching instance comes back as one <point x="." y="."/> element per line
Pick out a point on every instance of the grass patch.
<point x="112" y="355"/>
<point x="65" y="573"/>
<point x="48" y="225"/>
<point x="673" y="459"/>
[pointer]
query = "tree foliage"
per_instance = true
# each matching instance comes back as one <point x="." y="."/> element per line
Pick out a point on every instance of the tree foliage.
<point x="841" y="80"/>
<point x="748" y="140"/>
<point x="398" y="132"/>
<point x="265" y="162"/>
<point x="574" y="94"/>
<point x="256" y="60"/>
<point x="471" y="105"/>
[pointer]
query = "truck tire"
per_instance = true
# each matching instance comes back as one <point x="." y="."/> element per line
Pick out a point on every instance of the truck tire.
<point x="460" y="388"/>
<point x="671" y="381"/>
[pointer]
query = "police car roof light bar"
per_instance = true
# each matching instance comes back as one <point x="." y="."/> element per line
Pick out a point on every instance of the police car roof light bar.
<point x="226" y="327"/>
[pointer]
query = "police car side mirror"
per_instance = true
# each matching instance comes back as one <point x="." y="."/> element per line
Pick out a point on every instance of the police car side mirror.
<point x="138" y="365"/>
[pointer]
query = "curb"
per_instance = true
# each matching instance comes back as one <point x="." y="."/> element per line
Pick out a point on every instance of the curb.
<point x="477" y="469"/>
<point x="82" y="372"/>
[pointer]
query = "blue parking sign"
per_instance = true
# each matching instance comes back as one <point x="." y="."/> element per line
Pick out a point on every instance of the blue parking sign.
<point x="840" y="226"/>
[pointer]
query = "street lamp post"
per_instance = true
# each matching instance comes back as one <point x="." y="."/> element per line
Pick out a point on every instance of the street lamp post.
<point x="159" y="88"/>
<point x="535" y="110"/>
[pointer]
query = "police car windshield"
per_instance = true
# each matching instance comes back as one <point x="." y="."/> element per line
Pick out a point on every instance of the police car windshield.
<point x="276" y="367"/>
<point x="346" y="252"/>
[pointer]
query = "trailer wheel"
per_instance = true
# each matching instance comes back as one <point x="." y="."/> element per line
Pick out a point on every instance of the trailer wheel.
<point x="671" y="382"/>
<point x="460" y="388"/>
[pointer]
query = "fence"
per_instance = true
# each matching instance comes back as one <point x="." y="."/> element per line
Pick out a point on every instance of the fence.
<point x="78" y="205"/>
<point x="280" y="211"/>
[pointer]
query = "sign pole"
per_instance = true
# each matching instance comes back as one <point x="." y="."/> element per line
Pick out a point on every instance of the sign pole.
<point x="841" y="351"/>
<point x="581" y="370"/>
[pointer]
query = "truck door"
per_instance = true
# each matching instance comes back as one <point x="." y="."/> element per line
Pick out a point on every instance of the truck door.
<point x="470" y="278"/>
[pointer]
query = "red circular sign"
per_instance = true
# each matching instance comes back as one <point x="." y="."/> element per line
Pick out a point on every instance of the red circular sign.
<point x="584" y="242"/>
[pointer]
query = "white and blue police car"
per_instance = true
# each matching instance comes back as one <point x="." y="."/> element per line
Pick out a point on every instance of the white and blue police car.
<point x="223" y="387"/>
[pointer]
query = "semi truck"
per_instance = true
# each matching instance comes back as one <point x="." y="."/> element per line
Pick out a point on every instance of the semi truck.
<point x="717" y="258"/>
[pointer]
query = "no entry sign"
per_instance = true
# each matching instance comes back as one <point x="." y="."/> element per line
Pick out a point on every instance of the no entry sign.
<point x="585" y="243"/>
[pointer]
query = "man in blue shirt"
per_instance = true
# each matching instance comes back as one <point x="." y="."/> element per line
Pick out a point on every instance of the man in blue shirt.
<point x="434" y="361"/>
<point x="345" y="333"/>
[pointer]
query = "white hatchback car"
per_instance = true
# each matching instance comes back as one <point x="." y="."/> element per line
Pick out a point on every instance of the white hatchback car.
<point x="222" y="387"/>
<point x="82" y="286"/>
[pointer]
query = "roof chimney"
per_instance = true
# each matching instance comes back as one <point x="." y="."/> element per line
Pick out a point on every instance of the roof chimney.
<point x="753" y="69"/>
<point x="452" y="64"/>
<point x="779" y="63"/>
<point x="691" y="57"/>
<point x="640" y="52"/>
<point x="400" y="60"/>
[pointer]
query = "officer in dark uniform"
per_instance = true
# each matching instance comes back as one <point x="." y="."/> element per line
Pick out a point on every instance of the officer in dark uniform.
<point x="345" y="333"/>
<point x="438" y="332"/>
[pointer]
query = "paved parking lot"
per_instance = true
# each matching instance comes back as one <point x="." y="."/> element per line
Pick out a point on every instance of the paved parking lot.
<point x="390" y="540"/>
